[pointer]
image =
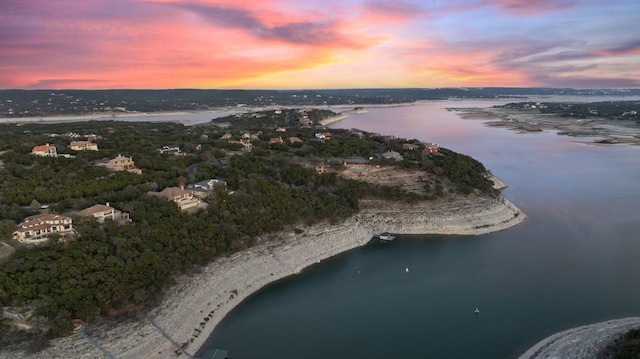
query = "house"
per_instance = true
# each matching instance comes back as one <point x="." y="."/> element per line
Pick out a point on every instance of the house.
<point x="224" y="162"/>
<point x="410" y="146"/>
<point x="101" y="212"/>
<point x="281" y="129"/>
<point x="38" y="228"/>
<point x="321" y="168"/>
<point x="182" y="198"/>
<point x="121" y="163"/>
<point x="356" y="161"/>
<point x="273" y="140"/>
<point x="305" y="120"/>
<point x="392" y="155"/>
<point x="430" y="148"/>
<point x="203" y="188"/>
<point x="83" y="146"/>
<point x="45" y="151"/>
<point x="171" y="150"/>
<point x="247" y="146"/>
<point x="294" y="139"/>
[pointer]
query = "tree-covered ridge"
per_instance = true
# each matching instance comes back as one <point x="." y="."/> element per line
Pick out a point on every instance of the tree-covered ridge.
<point x="30" y="103"/>
<point x="113" y="266"/>
<point x="612" y="110"/>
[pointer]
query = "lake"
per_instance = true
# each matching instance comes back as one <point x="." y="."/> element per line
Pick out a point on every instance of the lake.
<point x="572" y="262"/>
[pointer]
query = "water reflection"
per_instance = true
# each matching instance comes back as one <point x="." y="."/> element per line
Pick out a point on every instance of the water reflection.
<point x="572" y="262"/>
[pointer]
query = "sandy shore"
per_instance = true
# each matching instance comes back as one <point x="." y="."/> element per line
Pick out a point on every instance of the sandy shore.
<point x="582" y="342"/>
<point x="191" y="309"/>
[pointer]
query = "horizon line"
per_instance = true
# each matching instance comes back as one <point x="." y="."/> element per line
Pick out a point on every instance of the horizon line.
<point x="326" y="89"/>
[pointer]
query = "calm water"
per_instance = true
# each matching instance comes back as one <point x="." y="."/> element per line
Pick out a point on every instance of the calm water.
<point x="573" y="261"/>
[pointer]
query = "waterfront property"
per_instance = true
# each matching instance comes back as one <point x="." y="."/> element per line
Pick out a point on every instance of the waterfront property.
<point x="37" y="229"/>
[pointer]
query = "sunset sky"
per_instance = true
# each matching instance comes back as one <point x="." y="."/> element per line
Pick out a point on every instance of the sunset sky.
<point x="297" y="44"/>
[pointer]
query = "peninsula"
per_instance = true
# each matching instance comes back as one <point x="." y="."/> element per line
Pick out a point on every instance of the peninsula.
<point x="611" y="122"/>
<point x="223" y="233"/>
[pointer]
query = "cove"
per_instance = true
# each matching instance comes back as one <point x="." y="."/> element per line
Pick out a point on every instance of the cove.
<point x="572" y="262"/>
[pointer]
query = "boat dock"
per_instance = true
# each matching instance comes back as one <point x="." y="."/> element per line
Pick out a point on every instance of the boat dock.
<point x="385" y="237"/>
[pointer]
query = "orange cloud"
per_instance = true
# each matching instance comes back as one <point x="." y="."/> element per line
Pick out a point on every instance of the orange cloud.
<point x="293" y="44"/>
<point x="436" y="65"/>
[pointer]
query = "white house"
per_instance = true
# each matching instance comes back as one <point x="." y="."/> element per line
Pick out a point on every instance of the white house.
<point x="38" y="228"/>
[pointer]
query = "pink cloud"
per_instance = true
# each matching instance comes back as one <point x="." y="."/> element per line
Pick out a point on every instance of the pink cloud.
<point x="233" y="43"/>
<point x="528" y="7"/>
<point x="391" y="11"/>
<point x="630" y="48"/>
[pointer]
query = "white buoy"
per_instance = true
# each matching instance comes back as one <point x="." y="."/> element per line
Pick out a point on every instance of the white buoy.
<point x="407" y="270"/>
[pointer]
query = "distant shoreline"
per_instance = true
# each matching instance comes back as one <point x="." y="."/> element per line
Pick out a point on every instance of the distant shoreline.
<point x="106" y="116"/>
<point x="115" y="116"/>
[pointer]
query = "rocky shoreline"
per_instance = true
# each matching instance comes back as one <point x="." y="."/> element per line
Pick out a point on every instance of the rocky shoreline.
<point x="471" y="217"/>
<point x="585" y="342"/>
<point x="191" y="309"/>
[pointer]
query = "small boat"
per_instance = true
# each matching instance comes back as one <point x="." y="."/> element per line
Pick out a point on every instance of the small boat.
<point x="407" y="270"/>
<point x="477" y="311"/>
<point x="385" y="237"/>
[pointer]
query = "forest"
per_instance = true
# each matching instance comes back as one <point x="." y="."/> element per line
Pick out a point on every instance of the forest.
<point x="612" y="110"/>
<point x="29" y="103"/>
<point x="113" y="266"/>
